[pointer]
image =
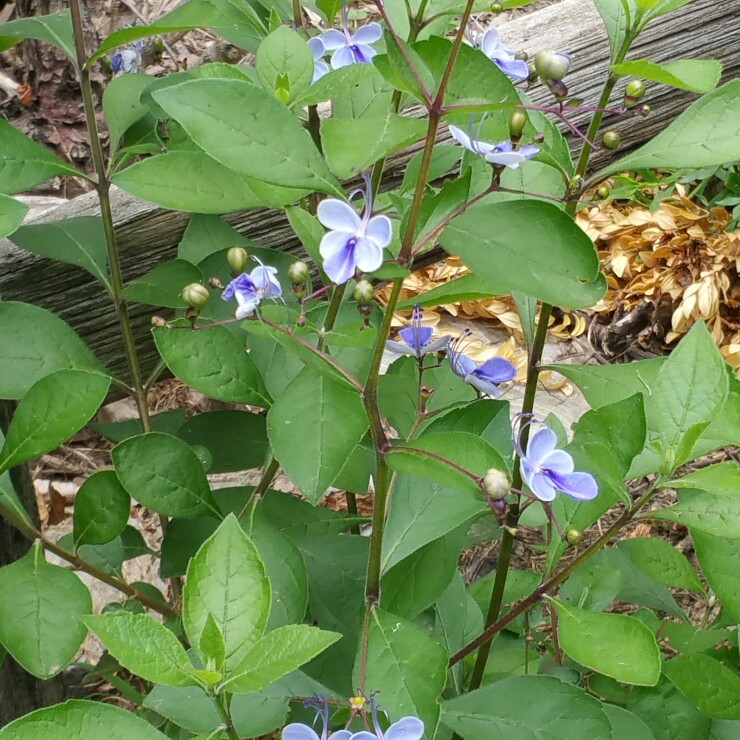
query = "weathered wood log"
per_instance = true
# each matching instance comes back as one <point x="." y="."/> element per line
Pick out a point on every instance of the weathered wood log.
<point x="149" y="234"/>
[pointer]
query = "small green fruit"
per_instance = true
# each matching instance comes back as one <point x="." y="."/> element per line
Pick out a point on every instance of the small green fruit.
<point x="195" y="295"/>
<point x="551" y="65"/>
<point x="517" y="122"/>
<point x="635" y="89"/>
<point x="603" y="191"/>
<point x="237" y="258"/>
<point x="612" y="139"/>
<point x="298" y="273"/>
<point x="364" y="292"/>
<point x="496" y="7"/>
<point x="574" y="536"/>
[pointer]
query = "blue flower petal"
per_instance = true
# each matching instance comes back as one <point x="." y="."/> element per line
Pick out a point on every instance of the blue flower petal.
<point x="368" y="34"/>
<point x="514" y="68"/>
<point x="496" y="370"/>
<point x="343" y="57"/>
<point x="541" y="443"/>
<point x="580" y="486"/>
<point x="333" y="39"/>
<point x="407" y="728"/>
<point x="416" y="336"/>
<point x="337" y="215"/>
<point x="297" y="731"/>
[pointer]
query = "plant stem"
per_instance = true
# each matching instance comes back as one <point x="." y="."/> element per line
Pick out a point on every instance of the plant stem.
<point x="331" y="313"/>
<point x="268" y="473"/>
<point x="223" y="713"/>
<point x="372" y="587"/>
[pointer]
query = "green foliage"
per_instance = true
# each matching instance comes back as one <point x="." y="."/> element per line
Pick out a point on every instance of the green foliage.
<point x="697" y="75"/>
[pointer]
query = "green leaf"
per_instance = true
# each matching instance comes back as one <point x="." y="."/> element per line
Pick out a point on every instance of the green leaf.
<point x="527" y="707"/>
<point x="546" y="255"/>
<point x="116" y="431"/>
<point x="249" y="131"/>
<point x="336" y="82"/>
<point x="307" y="227"/>
<point x="41" y="614"/>
<point x="13" y="509"/>
<point x="212" y="647"/>
<point x="464" y="449"/>
<point x="706" y="134"/>
<point x="36" y="343"/>
<point x="12" y="213"/>
<point x="616" y="645"/>
<point x="163" y="284"/>
<point x="395" y="67"/>
<point x="213" y="361"/>
<point x="383" y="135"/>
<point x="284" y="54"/>
<point x="626" y="725"/>
<point x="23" y="162"/>
<point x="81" y="720"/>
<point x="710" y="685"/>
<point x="77" y="241"/>
<point x="593" y="585"/>
<point x="407" y="665"/>
<point x="278" y="653"/>
<point x="163" y="473"/>
<point x="697" y="75"/>
<point x="466" y="288"/>
<point x="720" y="562"/>
<point x="661" y="561"/>
<point x="54" y="408"/>
<point x="619" y="19"/>
<point x="181" y="541"/>
<point x="144" y="646"/>
<point x="226" y="578"/>
<point x="55" y="29"/>
<point x="101" y="509"/>
<point x="122" y="105"/>
<point x="315" y="408"/>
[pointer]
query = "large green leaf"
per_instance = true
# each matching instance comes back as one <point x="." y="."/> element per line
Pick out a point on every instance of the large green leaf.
<point x="23" y="162"/>
<point x="144" y="646"/>
<point x="163" y="284"/>
<point x="213" y="361"/>
<point x="12" y="213"/>
<point x="285" y="62"/>
<point x="710" y="685"/>
<point x="697" y="75"/>
<point x="317" y="409"/>
<point x="54" y="408"/>
<point x="278" y="653"/>
<point x="101" y="509"/>
<point x="706" y="134"/>
<point x="78" y="241"/>
<point x="226" y="579"/>
<point x="55" y="28"/>
<point x="546" y="255"/>
<point x="249" y="131"/>
<point x="41" y="614"/>
<point x="661" y="561"/>
<point x="34" y="344"/>
<point x="720" y="562"/>
<point x="626" y="725"/>
<point x="164" y="473"/>
<point x="122" y="104"/>
<point x="81" y="720"/>
<point x="527" y="707"/>
<point x="616" y="645"/>
<point x="619" y="19"/>
<point x="407" y="665"/>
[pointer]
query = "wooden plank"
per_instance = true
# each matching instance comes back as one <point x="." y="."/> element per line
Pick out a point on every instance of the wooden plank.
<point x="149" y="234"/>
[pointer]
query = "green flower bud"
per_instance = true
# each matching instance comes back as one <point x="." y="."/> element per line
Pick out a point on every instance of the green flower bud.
<point x="603" y="191"/>
<point x="496" y="7"/>
<point x="195" y="295"/>
<point x="192" y="313"/>
<point x="635" y="89"/>
<point x="517" y="122"/>
<point x="496" y="484"/>
<point x="521" y="56"/>
<point x="551" y="65"/>
<point x="574" y="536"/>
<point x="645" y="110"/>
<point x="364" y="292"/>
<point x="612" y="139"/>
<point x="159" y="322"/>
<point x="575" y="185"/>
<point x="237" y="258"/>
<point x="298" y="273"/>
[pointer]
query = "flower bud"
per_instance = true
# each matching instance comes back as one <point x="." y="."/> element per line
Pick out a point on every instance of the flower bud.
<point x="603" y="192"/>
<point x="574" y="536"/>
<point x="558" y="88"/>
<point x="517" y="122"/>
<point x="575" y="185"/>
<point x="551" y="65"/>
<point x="521" y="56"/>
<point x="496" y="484"/>
<point x="364" y="292"/>
<point x="645" y="110"/>
<point x="612" y="139"/>
<point x="195" y="295"/>
<point x="192" y="313"/>
<point x="215" y="283"/>
<point x="496" y="8"/>
<point x="298" y="273"/>
<point x="635" y="90"/>
<point x="539" y="138"/>
<point x="237" y="258"/>
<point x="159" y="322"/>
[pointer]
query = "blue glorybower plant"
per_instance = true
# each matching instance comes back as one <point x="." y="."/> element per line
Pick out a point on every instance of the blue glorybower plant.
<point x="288" y="614"/>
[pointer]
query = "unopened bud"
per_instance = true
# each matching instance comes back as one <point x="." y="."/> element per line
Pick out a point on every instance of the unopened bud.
<point x="575" y="185"/>
<point x="215" y="283"/>
<point x="558" y="88"/>
<point x="192" y="313"/>
<point x="299" y="290"/>
<point x="603" y="192"/>
<point x="645" y="110"/>
<point x="539" y="137"/>
<point x="521" y="56"/>
<point x="159" y="322"/>
<point x="517" y="122"/>
<point x="237" y="258"/>
<point x="496" y="7"/>
<point x="612" y="139"/>
<point x="635" y="90"/>
<point x="551" y="65"/>
<point x="298" y="273"/>
<point x="301" y="320"/>
<point x="496" y="484"/>
<point x="364" y="292"/>
<point x="195" y="295"/>
<point x="365" y="309"/>
<point x="574" y="536"/>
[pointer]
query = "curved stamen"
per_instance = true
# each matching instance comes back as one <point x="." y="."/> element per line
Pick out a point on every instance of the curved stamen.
<point x="368" y="208"/>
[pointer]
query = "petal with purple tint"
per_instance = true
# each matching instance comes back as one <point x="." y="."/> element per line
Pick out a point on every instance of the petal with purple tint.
<point x="483" y="385"/>
<point x="515" y="68"/>
<point x="363" y="53"/>
<point x="461" y="364"/>
<point x="541" y="486"/>
<point x="342" y="735"/>
<point x="297" y="731"/>
<point x="528" y="151"/>
<point x="399" y="348"/>
<point x="580" y="486"/>
<point x="368" y="255"/>
<point x="461" y="137"/>
<point x="489" y="43"/>
<point x="320" y="68"/>
<point x="541" y="443"/>
<point x="505" y="159"/>
<point x="368" y="34"/>
<point x="364" y="735"/>
<point x="416" y="336"/>
<point x="334" y="242"/>
<point x="265" y="281"/>
<point x="380" y="230"/>
<point x="317" y="47"/>
<point x="340" y="266"/>
<point x="496" y="370"/>
<point x="343" y="57"/>
<point x="333" y="39"/>
<point x="337" y="215"/>
<point x="558" y="461"/>
<point x="248" y="303"/>
<point x="407" y="728"/>
<point x="241" y="282"/>
<point x="438" y="344"/>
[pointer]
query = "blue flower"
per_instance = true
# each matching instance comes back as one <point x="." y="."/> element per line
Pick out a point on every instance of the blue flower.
<point x="547" y="470"/>
<point x="351" y="48"/>
<point x="352" y="242"/>
<point x="501" y="55"/>
<point x="320" y="67"/>
<point x="416" y="338"/>
<point x="127" y="60"/>
<point x="251" y="288"/>
<point x="502" y="154"/>
<point x="407" y="728"/>
<point x="485" y="377"/>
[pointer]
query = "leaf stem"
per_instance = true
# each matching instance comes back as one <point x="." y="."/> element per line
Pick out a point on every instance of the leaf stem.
<point x="268" y="473"/>
<point x="223" y="712"/>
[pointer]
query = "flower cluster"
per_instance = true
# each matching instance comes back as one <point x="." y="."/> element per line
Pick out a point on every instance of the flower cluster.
<point x="251" y="288"/>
